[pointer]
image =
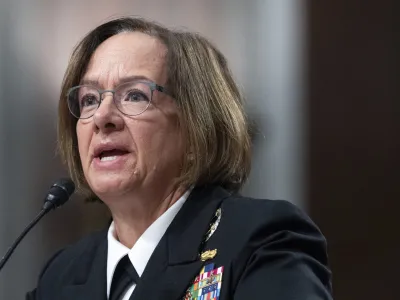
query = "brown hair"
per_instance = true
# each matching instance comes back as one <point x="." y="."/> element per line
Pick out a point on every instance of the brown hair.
<point x="212" y="115"/>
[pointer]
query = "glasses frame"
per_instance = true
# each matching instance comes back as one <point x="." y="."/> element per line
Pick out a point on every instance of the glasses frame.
<point x="152" y="85"/>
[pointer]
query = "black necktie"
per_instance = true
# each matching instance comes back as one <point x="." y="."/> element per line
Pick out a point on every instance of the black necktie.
<point x="124" y="275"/>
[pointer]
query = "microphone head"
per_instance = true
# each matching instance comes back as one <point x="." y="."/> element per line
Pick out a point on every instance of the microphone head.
<point x="59" y="193"/>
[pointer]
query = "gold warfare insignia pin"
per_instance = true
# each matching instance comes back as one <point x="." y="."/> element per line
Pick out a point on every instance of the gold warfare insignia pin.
<point x="209" y="254"/>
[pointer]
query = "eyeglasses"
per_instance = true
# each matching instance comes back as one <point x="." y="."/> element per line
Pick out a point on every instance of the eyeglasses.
<point x="131" y="98"/>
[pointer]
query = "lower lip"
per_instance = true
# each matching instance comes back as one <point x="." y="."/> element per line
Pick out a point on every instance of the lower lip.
<point x="115" y="163"/>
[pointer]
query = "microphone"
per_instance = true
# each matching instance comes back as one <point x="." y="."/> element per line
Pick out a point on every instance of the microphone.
<point x="58" y="194"/>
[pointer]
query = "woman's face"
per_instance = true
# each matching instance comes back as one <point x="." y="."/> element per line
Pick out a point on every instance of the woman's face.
<point x="120" y="153"/>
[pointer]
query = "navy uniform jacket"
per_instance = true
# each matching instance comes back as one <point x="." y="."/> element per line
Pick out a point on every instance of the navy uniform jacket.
<point x="269" y="250"/>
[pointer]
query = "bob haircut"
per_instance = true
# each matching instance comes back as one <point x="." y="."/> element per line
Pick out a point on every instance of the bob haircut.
<point x="212" y="117"/>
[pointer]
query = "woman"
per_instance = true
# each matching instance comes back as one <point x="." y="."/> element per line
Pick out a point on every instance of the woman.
<point x="152" y="124"/>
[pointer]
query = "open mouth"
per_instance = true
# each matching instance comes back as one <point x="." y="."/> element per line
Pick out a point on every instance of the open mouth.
<point x="109" y="155"/>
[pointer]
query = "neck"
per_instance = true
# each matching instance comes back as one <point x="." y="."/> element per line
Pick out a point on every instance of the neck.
<point x="133" y="216"/>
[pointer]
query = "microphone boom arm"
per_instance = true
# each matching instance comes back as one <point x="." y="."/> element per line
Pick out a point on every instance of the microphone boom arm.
<point x="21" y="236"/>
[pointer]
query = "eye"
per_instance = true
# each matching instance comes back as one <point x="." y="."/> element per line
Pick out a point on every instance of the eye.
<point x="136" y="96"/>
<point x="88" y="100"/>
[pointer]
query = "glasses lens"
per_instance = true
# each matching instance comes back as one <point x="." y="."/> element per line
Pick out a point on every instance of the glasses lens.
<point x="83" y="101"/>
<point x="133" y="98"/>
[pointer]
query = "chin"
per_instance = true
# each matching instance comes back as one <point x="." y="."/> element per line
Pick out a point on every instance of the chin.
<point x="110" y="186"/>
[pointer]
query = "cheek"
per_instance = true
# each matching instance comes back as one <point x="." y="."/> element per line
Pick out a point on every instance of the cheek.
<point x="165" y="145"/>
<point x="83" y="141"/>
<point x="157" y="142"/>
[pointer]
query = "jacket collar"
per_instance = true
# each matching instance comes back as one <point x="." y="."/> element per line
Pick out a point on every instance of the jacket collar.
<point x="88" y="272"/>
<point x="188" y="230"/>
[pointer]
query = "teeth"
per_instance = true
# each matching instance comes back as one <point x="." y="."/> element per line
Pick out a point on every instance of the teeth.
<point x="108" y="158"/>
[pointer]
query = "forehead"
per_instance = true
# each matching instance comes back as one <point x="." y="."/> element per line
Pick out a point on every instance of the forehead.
<point x="127" y="54"/>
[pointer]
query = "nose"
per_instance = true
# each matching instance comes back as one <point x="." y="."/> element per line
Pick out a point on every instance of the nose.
<point x="107" y="117"/>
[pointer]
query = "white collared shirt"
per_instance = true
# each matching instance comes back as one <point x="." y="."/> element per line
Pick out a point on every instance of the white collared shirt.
<point x="141" y="251"/>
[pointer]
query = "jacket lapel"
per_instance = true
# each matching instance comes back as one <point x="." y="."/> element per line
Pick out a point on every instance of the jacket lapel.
<point x="175" y="261"/>
<point x="88" y="273"/>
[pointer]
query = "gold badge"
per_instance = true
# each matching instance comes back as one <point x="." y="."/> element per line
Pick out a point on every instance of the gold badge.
<point x="209" y="254"/>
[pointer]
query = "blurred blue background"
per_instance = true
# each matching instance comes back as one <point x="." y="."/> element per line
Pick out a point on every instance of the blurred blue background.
<point x="320" y="82"/>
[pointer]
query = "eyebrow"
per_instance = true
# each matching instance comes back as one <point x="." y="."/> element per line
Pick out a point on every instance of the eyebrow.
<point x="120" y="81"/>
